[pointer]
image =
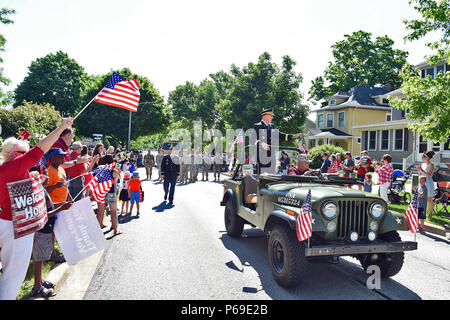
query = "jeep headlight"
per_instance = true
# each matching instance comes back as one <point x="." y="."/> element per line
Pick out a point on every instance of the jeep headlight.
<point x="376" y="210"/>
<point x="329" y="210"/>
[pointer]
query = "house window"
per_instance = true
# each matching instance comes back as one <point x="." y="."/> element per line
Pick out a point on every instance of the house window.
<point x="398" y="140"/>
<point x="446" y="145"/>
<point x="332" y="102"/>
<point x="384" y="140"/>
<point x="320" y="121"/>
<point x="372" y="140"/>
<point x="440" y="69"/>
<point x="385" y="101"/>
<point x="341" y="119"/>
<point x="422" y="73"/>
<point x="330" y="120"/>
<point x="358" y="140"/>
<point x="388" y="117"/>
<point x="430" y="72"/>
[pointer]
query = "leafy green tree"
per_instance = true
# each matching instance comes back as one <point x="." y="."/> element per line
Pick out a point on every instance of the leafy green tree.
<point x="37" y="119"/>
<point x="6" y="98"/>
<point x="152" y="116"/>
<point x="316" y="153"/>
<point x="435" y="16"/>
<point x="359" y="61"/>
<point x="262" y="85"/>
<point x="56" y="79"/>
<point x="428" y="99"/>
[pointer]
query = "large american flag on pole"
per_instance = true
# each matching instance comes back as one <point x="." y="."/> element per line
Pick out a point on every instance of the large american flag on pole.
<point x="303" y="224"/>
<point x="100" y="185"/>
<point x="412" y="214"/>
<point x="120" y="93"/>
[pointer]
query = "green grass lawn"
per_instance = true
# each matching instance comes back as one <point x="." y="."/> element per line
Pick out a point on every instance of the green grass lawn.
<point x="439" y="220"/>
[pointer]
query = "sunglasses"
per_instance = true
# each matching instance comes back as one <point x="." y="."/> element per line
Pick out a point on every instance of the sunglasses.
<point x="21" y="152"/>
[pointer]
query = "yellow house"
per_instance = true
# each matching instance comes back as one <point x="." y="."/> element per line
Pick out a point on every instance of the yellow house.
<point x="335" y="123"/>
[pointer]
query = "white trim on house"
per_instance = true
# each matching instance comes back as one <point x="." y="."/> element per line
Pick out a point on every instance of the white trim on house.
<point x="404" y="123"/>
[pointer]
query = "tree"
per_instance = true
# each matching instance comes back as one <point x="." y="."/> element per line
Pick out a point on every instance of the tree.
<point x="5" y="97"/>
<point x="37" y="119"/>
<point x="428" y="99"/>
<point x="56" y="79"/>
<point x="262" y="85"/>
<point x="152" y="115"/>
<point x="359" y="61"/>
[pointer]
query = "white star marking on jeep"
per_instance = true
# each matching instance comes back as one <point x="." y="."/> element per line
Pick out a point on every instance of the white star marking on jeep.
<point x="399" y="221"/>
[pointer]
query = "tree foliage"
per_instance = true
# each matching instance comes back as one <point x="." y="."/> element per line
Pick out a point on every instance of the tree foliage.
<point x="316" y="153"/>
<point x="152" y="115"/>
<point x="37" y="119"/>
<point x="357" y="60"/>
<point x="55" y="79"/>
<point x="429" y="99"/>
<point x="5" y="97"/>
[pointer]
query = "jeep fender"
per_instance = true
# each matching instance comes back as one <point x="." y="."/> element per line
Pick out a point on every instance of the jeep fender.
<point x="279" y="215"/>
<point x="389" y="223"/>
<point x="229" y="194"/>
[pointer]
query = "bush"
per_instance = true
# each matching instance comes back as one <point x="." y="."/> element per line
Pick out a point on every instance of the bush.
<point x="315" y="154"/>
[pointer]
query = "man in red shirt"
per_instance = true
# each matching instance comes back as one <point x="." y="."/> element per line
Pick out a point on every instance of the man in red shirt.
<point x="302" y="168"/>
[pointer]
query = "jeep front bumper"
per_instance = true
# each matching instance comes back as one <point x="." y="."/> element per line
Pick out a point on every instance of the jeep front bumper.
<point x="353" y="249"/>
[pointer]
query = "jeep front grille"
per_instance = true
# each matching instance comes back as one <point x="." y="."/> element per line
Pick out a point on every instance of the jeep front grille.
<point x="353" y="216"/>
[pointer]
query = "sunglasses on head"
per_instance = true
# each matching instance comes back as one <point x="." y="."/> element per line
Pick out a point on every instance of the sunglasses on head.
<point x="21" y="152"/>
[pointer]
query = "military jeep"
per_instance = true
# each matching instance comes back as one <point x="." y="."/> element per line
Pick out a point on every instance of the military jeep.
<point x="345" y="222"/>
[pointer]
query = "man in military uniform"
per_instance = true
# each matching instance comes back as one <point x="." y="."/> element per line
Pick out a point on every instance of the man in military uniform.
<point x="206" y="163"/>
<point x="192" y="168"/>
<point x="170" y="171"/>
<point x="217" y="164"/>
<point x="149" y="162"/>
<point x="184" y="168"/>
<point x="159" y="158"/>
<point x="265" y="131"/>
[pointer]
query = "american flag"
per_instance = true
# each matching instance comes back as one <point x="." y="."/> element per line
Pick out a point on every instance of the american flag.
<point x="239" y="138"/>
<point x="304" y="220"/>
<point x="412" y="214"/>
<point x="100" y="185"/>
<point x="120" y="93"/>
<point x="303" y="146"/>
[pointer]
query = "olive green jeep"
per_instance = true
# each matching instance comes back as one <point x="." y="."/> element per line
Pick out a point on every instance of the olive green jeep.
<point x="345" y="222"/>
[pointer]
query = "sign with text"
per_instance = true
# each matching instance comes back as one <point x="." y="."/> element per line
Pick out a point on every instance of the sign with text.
<point x="28" y="207"/>
<point x="78" y="232"/>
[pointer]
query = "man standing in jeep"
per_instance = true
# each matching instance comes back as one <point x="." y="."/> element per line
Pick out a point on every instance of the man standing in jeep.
<point x="264" y="131"/>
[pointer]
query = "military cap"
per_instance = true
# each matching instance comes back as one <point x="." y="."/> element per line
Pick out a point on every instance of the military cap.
<point x="267" y="111"/>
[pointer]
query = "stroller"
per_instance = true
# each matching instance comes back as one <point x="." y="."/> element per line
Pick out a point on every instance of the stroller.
<point x="396" y="192"/>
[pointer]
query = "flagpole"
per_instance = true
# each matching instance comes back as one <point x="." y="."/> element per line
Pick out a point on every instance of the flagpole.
<point x="129" y="132"/>
<point x="84" y="108"/>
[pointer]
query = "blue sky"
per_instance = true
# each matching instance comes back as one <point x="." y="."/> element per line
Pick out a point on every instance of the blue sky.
<point x="171" y="42"/>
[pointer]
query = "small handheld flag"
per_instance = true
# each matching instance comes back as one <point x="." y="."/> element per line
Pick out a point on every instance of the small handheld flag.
<point x="303" y="224"/>
<point x="412" y="214"/>
<point x="24" y="135"/>
<point x="303" y="145"/>
<point x="99" y="186"/>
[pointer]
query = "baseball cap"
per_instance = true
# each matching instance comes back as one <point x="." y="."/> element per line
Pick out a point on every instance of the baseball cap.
<point x="303" y="158"/>
<point x="55" y="152"/>
<point x="135" y="174"/>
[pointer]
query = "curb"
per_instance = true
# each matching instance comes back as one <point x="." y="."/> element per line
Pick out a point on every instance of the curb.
<point x="55" y="276"/>
<point x="431" y="228"/>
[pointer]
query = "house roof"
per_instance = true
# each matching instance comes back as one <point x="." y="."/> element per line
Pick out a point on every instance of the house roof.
<point x="426" y="64"/>
<point x="332" y="132"/>
<point x="394" y="123"/>
<point x="360" y="96"/>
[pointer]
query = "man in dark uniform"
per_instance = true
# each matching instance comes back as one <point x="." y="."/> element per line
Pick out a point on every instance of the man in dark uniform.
<point x="170" y="171"/>
<point x="265" y="131"/>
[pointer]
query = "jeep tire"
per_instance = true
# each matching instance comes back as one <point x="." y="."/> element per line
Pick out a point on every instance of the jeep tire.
<point x="389" y="263"/>
<point x="233" y="223"/>
<point x="286" y="254"/>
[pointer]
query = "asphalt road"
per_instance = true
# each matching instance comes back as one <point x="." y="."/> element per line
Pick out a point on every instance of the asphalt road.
<point x="183" y="252"/>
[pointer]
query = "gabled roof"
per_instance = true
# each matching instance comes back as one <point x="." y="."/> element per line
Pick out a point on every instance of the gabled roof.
<point x="360" y="96"/>
<point x="328" y="133"/>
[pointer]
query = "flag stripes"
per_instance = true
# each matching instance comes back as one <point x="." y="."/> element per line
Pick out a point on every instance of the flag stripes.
<point x="303" y="223"/>
<point x="120" y="93"/>
<point x="412" y="214"/>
